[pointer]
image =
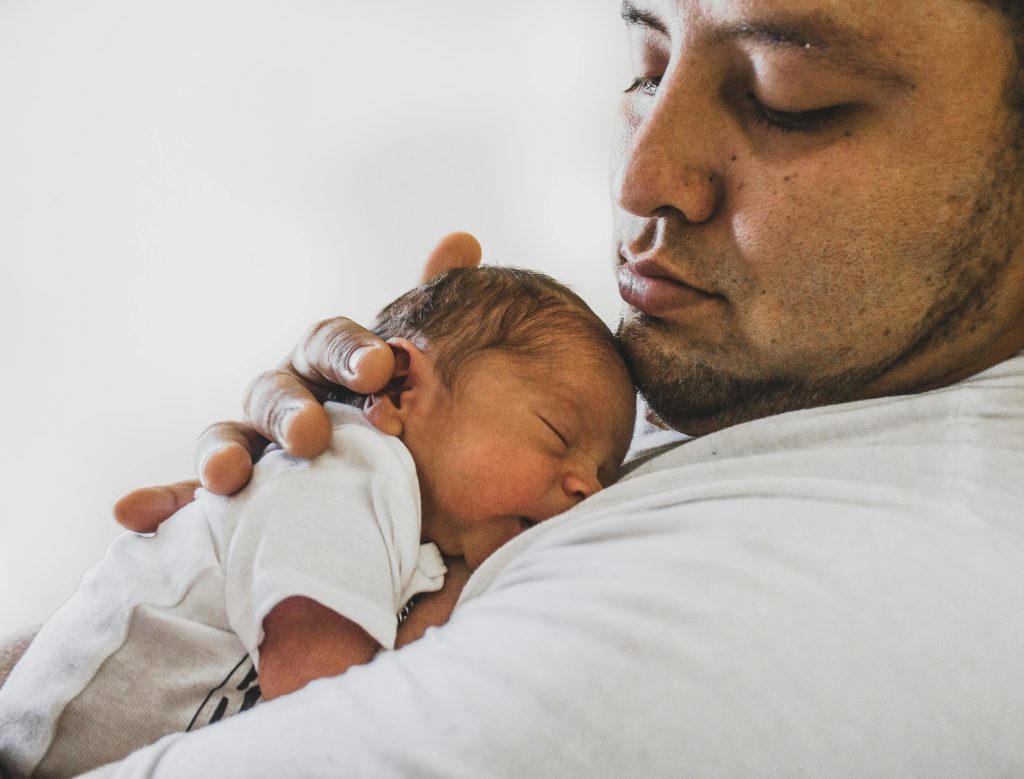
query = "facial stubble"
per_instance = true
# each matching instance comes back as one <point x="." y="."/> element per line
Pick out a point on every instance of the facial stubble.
<point x="696" y="395"/>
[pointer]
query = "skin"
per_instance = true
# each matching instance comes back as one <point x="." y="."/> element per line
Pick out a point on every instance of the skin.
<point x="511" y="445"/>
<point x="304" y="640"/>
<point x="284" y="405"/>
<point x="876" y="251"/>
<point x="879" y="254"/>
<point x="828" y="195"/>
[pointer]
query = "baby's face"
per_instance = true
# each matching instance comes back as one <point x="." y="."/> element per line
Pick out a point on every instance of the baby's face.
<point x="517" y="443"/>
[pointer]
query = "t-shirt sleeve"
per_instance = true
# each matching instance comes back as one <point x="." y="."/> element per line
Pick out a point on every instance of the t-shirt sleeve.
<point x="343" y="530"/>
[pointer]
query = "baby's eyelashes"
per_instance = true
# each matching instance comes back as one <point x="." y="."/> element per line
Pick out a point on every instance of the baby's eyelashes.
<point x="562" y="438"/>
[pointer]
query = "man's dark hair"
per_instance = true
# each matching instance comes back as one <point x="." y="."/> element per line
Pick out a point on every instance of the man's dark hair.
<point x="468" y="312"/>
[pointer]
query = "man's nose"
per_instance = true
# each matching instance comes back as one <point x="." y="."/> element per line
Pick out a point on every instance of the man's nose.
<point x="666" y="152"/>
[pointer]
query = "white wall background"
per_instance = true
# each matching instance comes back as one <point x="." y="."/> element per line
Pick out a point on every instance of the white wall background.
<point x="185" y="186"/>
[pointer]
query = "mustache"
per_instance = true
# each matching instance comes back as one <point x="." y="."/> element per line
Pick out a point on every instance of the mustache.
<point x="680" y="248"/>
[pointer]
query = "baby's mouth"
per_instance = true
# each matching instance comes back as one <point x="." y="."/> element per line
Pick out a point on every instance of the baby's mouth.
<point x="526" y="523"/>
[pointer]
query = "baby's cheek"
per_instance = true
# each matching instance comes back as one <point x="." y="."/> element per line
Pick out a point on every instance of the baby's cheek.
<point x="490" y="538"/>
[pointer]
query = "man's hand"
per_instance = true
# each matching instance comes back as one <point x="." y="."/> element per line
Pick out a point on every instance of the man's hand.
<point x="285" y="405"/>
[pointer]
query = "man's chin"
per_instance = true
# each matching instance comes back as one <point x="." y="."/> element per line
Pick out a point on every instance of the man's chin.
<point x="698" y="394"/>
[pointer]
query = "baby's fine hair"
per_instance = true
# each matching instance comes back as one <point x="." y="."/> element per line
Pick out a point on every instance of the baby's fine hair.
<point x="464" y="313"/>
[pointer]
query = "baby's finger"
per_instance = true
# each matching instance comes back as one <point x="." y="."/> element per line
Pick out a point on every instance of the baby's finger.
<point x="143" y="510"/>
<point x="225" y="455"/>
<point x="457" y="250"/>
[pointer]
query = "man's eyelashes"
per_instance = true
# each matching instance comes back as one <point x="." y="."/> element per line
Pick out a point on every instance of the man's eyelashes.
<point x="783" y="121"/>
<point x="794" y="121"/>
<point x="647" y="86"/>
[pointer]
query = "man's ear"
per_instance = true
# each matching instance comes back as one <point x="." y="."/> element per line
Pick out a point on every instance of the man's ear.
<point x="389" y="409"/>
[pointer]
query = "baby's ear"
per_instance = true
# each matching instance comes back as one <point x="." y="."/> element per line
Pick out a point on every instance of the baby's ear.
<point x="389" y="409"/>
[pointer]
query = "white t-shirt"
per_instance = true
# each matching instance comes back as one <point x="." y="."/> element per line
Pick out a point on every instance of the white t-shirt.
<point x="830" y="592"/>
<point x="163" y="634"/>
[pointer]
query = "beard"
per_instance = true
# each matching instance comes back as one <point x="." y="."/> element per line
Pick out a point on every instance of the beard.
<point x="698" y="393"/>
<point x="698" y="396"/>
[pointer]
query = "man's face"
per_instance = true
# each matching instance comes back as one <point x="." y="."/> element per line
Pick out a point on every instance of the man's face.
<point x="816" y="201"/>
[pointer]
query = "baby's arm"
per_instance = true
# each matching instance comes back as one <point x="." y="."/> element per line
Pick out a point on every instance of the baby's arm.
<point x="304" y="640"/>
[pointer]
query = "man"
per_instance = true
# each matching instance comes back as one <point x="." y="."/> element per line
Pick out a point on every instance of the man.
<point x="819" y="241"/>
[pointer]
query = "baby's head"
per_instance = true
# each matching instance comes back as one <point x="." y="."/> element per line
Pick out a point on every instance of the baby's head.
<point x="512" y="398"/>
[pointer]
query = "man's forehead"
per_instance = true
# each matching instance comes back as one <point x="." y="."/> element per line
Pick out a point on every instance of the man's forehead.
<point x="854" y="34"/>
<point x="819" y="22"/>
<point x="816" y="22"/>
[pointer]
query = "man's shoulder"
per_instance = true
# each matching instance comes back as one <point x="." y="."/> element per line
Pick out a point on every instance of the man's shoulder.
<point x="940" y="462"/>
<point x="983" y="407"/>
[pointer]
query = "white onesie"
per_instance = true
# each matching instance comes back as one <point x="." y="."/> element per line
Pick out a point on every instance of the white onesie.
<point x="163" y="635"/>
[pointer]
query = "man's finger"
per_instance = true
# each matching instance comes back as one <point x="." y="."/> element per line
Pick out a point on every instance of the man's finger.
<point x="225" y="455"/>
<point x="280" y="406"/>
<point x="143" y="510"/>
<point x="341" y="352"/>
<point x="457" y="250"/>
<point x="284" y="405"/>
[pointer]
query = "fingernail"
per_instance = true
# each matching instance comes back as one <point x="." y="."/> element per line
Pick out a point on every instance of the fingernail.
<point x="356" y="357"/>
<point x="285" y="423"/>
<point x="206" y="459"/>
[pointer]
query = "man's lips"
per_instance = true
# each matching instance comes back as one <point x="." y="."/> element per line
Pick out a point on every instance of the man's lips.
<point x="648" y="287"/>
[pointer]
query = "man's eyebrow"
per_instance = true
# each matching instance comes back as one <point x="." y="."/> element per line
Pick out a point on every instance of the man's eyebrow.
<point x="640" y="18"/>
<point x="821" y="38"/>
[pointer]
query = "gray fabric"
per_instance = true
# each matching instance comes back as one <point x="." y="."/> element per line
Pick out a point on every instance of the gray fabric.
<point x="12" y="647"/>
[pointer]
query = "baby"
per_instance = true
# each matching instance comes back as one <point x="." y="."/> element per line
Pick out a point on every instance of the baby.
<point x="510" y="404"/>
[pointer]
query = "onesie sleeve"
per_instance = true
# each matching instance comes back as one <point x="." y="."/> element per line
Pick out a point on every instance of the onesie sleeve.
<point x="343" y="530"/>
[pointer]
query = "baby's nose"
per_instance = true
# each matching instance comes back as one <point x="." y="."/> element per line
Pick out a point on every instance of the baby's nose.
<point x="580" y="483"/>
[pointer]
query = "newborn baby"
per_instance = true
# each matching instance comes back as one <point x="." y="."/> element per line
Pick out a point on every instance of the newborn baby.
<point x="510" y="404"/>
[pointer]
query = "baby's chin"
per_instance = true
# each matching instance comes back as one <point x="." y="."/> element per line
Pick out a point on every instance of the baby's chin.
<point x="475" y="551"/>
